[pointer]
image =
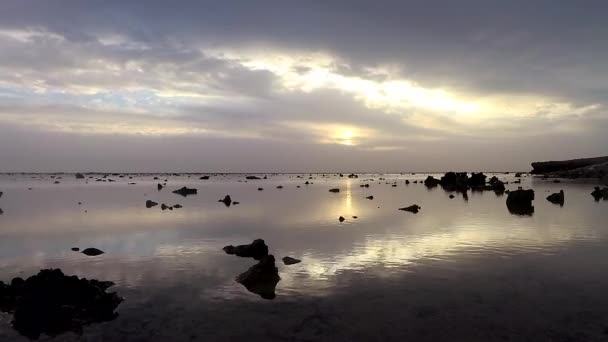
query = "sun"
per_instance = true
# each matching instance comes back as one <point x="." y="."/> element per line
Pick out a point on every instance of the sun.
<point x="346" y="137"/>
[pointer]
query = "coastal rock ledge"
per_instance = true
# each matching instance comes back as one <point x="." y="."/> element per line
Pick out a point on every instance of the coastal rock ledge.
<point x="575" y="168"/>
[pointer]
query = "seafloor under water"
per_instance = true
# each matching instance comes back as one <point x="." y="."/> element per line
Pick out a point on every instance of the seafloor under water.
<point x="456" y="271"/>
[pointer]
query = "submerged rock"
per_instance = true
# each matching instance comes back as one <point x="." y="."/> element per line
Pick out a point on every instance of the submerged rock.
<point x="262" y="278"/>
<point x="412" y="208"/>
<point x="519" y="202"/>
<point x="150" y="204"/>
<point x="334" y="190"/>
<point x="53" y="303"/>
<point x="257" y="250"/>
<point x="92" y="251"/>
<point x="226" y="200"/>
<point x="290" y="261"/>
<point x="184" y="191"/>
<point x="557" y="198"/>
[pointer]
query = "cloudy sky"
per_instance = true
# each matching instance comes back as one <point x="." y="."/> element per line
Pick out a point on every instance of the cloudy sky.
<point x="253" y="86"/>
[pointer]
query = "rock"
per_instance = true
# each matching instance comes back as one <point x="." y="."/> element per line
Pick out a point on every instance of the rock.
<point x="520" y="202"/>
<point x="341" y="219"/>
<point x="150" y="204"/>
<point x="355" y="217"/>
<point x="204" y="177"/>
<point x="155" y="178"/>
<point x="306" y="183"/>
<point x="252" y="177"/>
<point x="53" y="303"/>
<point x="165" y="207"/>
<point x="352" y="175"/>
<point x="280" y="187"/>
<point x="451" y="196"/>
<point x="556" y="181"/>
<point x="370" y="197"/>
<point x="599" y="194"/>
<point x="557" y="198"/>
<point x="75" y="249"/>
<point x="1" y="211"/>
<point x="477" y="180"/>
<point x="334" y="190"/>
<point x="92" y="251"/>
<point x="497" y="185"/>
<point x="518" y="175"/>
<point x="453" y="181"/>
<point x="431" y="182"/>
<point x="184" y="191"/>
<point x="56" y="182"/>
<point x="79" y="176"/>
<point x="235" y="203"/>
<point x="1" y="193"/>
<point x="566" y="165"/>
<point x="407" y="182"/>
<point x="290" y="261"/>
<point x="226" y="200"/>
<point x="412" y="208"/>
<point x="262" y="278"/>
<point x="177" y="206"/>
<point x="257" y="250"/>
<point x="159" y="186"/>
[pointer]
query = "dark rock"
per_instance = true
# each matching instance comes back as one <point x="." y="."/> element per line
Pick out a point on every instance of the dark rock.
<point x="92" y="251"/>
<point x="79" y="176"/>
<point x="75" y="249"/>
<point x="355" y="217"/>
<point x="334" y="190"/>
<point x="518" y="175"/>
<point x="53" y="303"/>
<point x="352" y="175"/>
<point x="497" y="185"/>
<point x="2" y="193"/>
<point x="204" y="177"/>
<point x="519" y="202"/>
<point x="599" y="194"/>
<point x="262" y="278"/>
<point x="1" y="211"/>
<point x="56" y="182"/>
<point x="159" y="187"/>
<point x="477" y="180"/>
<point x="370" y="197"/>
<point x="280" y="187"/>
<point x="556" y="181"/>
<point x="226" y="200"/>
<point x="341" y="219"/>
<point x="165" y="207"/>
<point x="407" y="182"/>
<point x="290" y="261"/>
<point x="260" y="189"/>
<point x="252" y="177"/>
<point x="557" y="198"/>
<point x="431" y="182"/>
<point x="306" y="183"/>
<point x="412" y="208"/>
<point x="235" y="203"/>
<point x="451" y="196"/>
<point x="453" y="181"/>
<point x="177" y="206"/>
<point x="257" y="250"/>
<point x="184" y="191"/>
<point x="566" y="165"/>
<point x="150" y="204"/>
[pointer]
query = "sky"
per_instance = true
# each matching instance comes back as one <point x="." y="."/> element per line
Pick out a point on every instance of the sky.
<point x="300" y="86"/>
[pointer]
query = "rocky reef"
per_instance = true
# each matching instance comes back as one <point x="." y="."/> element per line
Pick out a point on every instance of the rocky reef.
<point x="574" y="168"/>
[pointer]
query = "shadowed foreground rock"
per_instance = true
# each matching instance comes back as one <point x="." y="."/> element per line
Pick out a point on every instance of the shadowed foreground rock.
<point x="257" y="250"/>
<point x="185" y="191"/>
<point x="414" y="208"/>
<point x="556" y="198"/>
<point x="262" y="278"/>
<point x="52" y="303"/>
<point x="519" y="202"/>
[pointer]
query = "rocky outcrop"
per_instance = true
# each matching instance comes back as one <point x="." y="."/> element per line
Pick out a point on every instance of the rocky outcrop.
<point x="92" y="251"/>
<point x="334" y="190"/>
<point x="599" y="193"/>
<point x="227" y="200"/>
<point x="150" y="204"/>
<point x="599" y="171"/>
<point x="290" y="261"/>
<point x="262" y="278"/>
<point x="412" y="208"/>
<point x="257" y="250"/>
<point x="184" y="191"/>
<point x="566" y="165"/>
<point x="79" y="176"/>
<point x="556" y="198"/>
<point x="519" y="202"/>
<point x="252" y="177"/>
<point x="53" y="303"/>
<point x="431" y="182"/>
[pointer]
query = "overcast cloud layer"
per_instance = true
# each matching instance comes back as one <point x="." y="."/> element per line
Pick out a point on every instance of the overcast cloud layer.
<point x="290" y="86"/>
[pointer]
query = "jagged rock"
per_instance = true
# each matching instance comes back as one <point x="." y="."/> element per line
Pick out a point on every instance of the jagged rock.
<point x="412" y="208"/>
<point x="262" y="278"/>
<point x="520" y="202"/>
<point x="370" y="197"/>
<point x="290" y="261"/>
<point x="341" y="219"/>
<point x="53" y="303"/>
<point x="599" y="194"/>
<point x="557" y="198"/>
<point x="92" y="251"/>
<point x="184" y="191"/>
<point x="252" y="177"/>
<point x="226" y="200"/>
<point x="79" y="176"/>
<point x="150" y="204"/>
<point x="334" y="190"/>
<point x="566" y="165"/>
<point x="257" y="250"/>
<point x="159" y="186"/>
<point x="431" y="182"/>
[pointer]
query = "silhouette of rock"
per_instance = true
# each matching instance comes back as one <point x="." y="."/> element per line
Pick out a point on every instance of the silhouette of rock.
<point x="352" y="175"/>
<point x="557" y="198"/>
<point x="370" y="197"/>
<point x="431" y="182"/>
<point x="252" y="177"/>
<point x="1" y="211"/>
<point x="159" y="186"/>
<point x="165" y="207"/>
<point x="412" y="208"/>
<point x="150" y="204"/>
<point x="262" y="278"/>
<point x="451" y="196"/>
<point x="1" y="193"/>
<point x="280" y="187"/>
<point x="497" y="185"/>
<point x="184" y="191"/>
<point x="75" y="249"/>
<point x="177" y="206"/>
<point x="257" y="250"/>
<point x="204" y="177"/>
<point x="599" y="194"/>
<point x="79" y="176"/>
<point x="260" y="189"/>
<point x="518" y="175"/>
<point x="53" y="303"/>
<point x="334" y="190"/>
<point x="226" y="200"/>
<point x="92" y="251"/>
<point x="566" y="165"/>
<point x="407" y="182"/>
<point x="519" y="202"/>
<point x="341" y="219"/>
<point x="290" y="261"/>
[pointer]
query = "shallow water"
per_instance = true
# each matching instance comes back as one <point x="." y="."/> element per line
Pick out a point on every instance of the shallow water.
<point x="456" y="271"/>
